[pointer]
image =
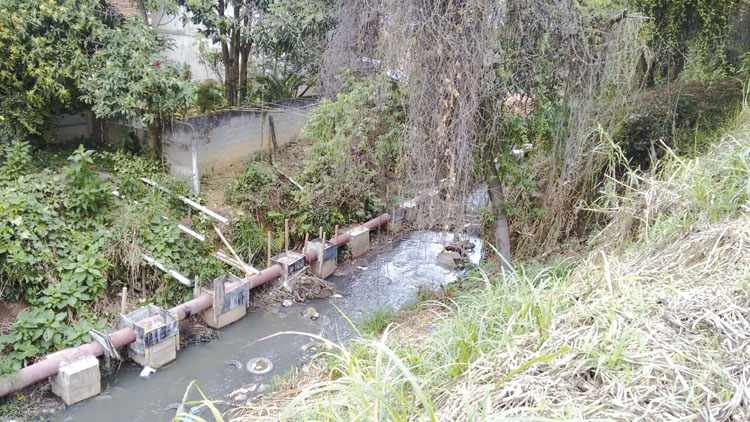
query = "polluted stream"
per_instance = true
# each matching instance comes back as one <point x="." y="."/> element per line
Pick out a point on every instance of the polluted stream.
<point x="388" y="276"/>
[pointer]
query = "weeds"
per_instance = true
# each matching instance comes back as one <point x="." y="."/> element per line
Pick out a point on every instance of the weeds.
<point x="376" y="321"/>
<point x="653" y="330"/>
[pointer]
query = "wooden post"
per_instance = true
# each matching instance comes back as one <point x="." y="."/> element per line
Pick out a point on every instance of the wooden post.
<point x="320" y="232"/>
<point x="286" y="236"/>
<point x="124" y="302"/>
<point x="336" y="234"/>
<point x="304" y="248"/>
<point x="196" y="288"/>
<point x="268" y="257"/>
<point x="320" y="251"/>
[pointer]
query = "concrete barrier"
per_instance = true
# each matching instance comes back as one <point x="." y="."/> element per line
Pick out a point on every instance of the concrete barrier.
<point x="203" y="145"/>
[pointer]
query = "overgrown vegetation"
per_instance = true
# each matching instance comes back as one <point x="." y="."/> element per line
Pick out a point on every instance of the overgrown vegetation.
<point x="67" y="242"/>
<point x="655" y="314"/>
<point x="354" y="155"/>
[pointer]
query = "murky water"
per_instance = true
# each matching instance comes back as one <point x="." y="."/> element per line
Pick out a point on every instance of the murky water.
<point x="386" y="278"/>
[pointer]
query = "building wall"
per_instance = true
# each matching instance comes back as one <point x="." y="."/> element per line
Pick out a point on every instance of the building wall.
<point x="184" y="34"/>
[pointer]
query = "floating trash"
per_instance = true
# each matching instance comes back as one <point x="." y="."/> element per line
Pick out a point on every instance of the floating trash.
<point x="233" y="362"/>
<point x="147" y="371"/>
<point x="259" y="366"/>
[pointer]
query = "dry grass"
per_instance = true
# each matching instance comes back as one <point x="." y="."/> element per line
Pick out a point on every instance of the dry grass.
<point x="661" y="334"/>
<point x="654" y="325"/>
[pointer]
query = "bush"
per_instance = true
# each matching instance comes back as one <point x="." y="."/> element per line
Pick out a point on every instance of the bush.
<point x="17" y="155"/>
<point x="89" y="195"/>
<point x="209" y="96"/>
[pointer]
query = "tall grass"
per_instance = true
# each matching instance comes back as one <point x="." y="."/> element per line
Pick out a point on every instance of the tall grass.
<point x="653" y="325"/>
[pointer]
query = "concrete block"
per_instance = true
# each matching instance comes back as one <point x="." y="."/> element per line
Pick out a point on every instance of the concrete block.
<point x="410" y="208"/>
<point x="157" y="355"/>
<point x="227" y="305"/>
<point x="328" y="253"/>
<point x="396" y="220"/>
<point x="209" y="316"/>
<point x="359" y="241"/>
<point x="291" y="263"/>
<point x="77" y="380"/>
<point x="156" y="335"/>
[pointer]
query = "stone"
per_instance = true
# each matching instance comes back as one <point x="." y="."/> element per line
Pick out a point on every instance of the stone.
<point x="359" y="241"/>
<point x="157" y="355"/>
<point x="449" y="259"/>
<point x="310" y="312"/>
<point x="78" y="380"/>
<point x="286" y="303"/>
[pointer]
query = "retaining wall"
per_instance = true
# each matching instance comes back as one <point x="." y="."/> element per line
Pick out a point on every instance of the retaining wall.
<point x="212" y="142"/>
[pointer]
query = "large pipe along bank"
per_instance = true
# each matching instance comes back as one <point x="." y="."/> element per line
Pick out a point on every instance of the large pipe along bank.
<point x="51" y="364"/>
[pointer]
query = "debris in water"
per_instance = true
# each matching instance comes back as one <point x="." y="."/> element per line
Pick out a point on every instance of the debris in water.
<point x="287" y="303"/>
<point x="233" y="362"/>
<point x="173" y="406"/>
<point x="259" y="366"/>
<point x="336" y="296"/>
<point x="361" y="268"/>
<point x="310" y="312"/>
<point x="312" y="345"/>
<point x="147" y="371"/>
<point x="455" y="255"/>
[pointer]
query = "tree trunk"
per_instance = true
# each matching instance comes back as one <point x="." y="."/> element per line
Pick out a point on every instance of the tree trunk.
<point x="152" y="134"/>
<point x="244" y="56"/>
<point x="502" y="232"/>
<point x="141" y="6"/>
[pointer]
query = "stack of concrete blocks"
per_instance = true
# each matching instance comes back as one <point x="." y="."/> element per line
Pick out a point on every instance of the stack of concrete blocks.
<point x="156" y="335"/>
<point x="78" y="380"/>
<point x="328" y="253"/>
<point x="359" y="241"/>
<point x="396" y="220"/>
<point x="228" y="306"/>
<point x="291" y="263"/>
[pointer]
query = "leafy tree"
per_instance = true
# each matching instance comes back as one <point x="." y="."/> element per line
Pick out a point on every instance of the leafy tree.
<point x="683" y="32"/>
<point x="44" y="48"/>
<point x="244" y="28"/>
<point x="130" y="78"/>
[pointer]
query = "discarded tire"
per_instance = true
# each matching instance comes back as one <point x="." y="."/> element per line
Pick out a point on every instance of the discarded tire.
<point x="259" y="366"/>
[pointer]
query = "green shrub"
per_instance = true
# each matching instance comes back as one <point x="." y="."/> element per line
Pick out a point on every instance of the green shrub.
<point x="17" y="155"/>
<point x="89" y="195"/>
<point x="209" y="96"/>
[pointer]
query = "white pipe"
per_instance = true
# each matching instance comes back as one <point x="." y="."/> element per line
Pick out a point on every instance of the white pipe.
<point x="179" y="277"/>
<point x="188" y="201"/>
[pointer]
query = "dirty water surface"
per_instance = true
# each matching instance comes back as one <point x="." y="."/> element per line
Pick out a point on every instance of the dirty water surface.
<point x="389" y="277"/>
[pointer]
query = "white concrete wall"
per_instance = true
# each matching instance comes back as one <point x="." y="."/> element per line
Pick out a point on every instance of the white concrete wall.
<point x="228" y="138"/>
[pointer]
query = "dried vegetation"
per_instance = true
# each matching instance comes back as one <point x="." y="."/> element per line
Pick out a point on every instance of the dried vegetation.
<point x="653" y="325"/>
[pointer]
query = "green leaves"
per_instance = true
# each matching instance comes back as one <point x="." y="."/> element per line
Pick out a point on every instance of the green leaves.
<point x="44" y="45"/>
<point x="89" y="194"/>
<point x="131" y="77"/>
